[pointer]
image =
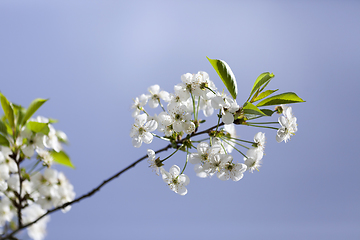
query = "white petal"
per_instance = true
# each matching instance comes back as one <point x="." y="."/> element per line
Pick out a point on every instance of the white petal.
<point x="174" y="171"/>
<point x="194" y="158"/>
<point x="151" y="154"/>
<point x="181" y="190"/>
<point x="141" y="119"/>
<point x="136" y="142"/>
<point x="178" y="127"/>
<point x="224" y="176"/>
<point x="202" y="147"/>
<point x="199" y="170"/>
<point x="153" y="103"/>
<point x="283" y="121"/>
<point x="165" y="96"/>
<point x="154" y="89"/>
<point x="236" y="176"/>
<point x="228" y="118"/>
<point x="28" y="151"/>
<point x="147" y="137"/>
<point x="184" y="180"/>
<point x="151" y="126"/>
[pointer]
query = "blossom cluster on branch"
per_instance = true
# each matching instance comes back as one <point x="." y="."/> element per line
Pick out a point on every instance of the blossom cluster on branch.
<point x="29" y="187"/>
<point x="178" y="123"/>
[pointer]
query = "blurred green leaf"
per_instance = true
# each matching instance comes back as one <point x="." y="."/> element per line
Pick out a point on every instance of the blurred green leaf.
<point x="3" y="128"/>
<point x="4" y="141"/>
<point x="250" y="108"/>
<point x="8" y="110"/>
<point x="62" y="158"/>
<point x="34" y="106"/>
<point x="226" y="75"/>
<point x="283" y="98"/>
<point x="264" y="78"/>
<point x="51" y="120"/>
<point x="38" y="127"/>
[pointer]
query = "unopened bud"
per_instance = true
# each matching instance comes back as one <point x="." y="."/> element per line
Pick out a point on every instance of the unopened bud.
<point x="279" y="109"/>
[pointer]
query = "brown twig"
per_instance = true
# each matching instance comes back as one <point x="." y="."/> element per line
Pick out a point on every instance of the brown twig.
<point x="89" y="194"/>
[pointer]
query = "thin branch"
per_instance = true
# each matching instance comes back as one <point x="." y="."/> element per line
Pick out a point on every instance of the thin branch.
<point x="89" y="194"/>
<point x="83" y="196"/>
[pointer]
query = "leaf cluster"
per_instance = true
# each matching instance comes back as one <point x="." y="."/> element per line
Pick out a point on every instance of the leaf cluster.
<point x="259" y="97"/>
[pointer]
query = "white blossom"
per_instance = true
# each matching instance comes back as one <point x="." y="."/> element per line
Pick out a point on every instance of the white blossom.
<point x="156" y="95"/>
<point x="140" y="131"/>
<point x="253" y="159"/>
<point x="154" y="163"/>
<point x="230" y="170"/>
<point x="175" y="180"/>
<point x="288" y="125"/>
<point x="259" y="140"/>
<point x="34" y="140"/>
<point x="36" y="231"/>
<point x="139" y="103"/>
<point x="227" y="106"/>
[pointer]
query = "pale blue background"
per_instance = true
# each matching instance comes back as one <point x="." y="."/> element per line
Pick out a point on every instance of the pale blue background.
<point x="91" y="58"/>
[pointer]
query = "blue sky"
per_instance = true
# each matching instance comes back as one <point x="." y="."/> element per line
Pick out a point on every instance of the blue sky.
<point x="91" y="58"/>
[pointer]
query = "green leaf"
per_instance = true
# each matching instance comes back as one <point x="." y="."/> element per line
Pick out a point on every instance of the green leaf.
<point x="226" y="75"/>
<point x="51" y="120"/>
<point x="264" y="78"/>
<point x="19" y="111"/>
<point x="263" y="95"/>
<point x="3" y="128"/>
<point x="34" y="106"/>
<point x="38" y="127"/>
<point x="8" y="110"/>
<point x="62" y="158"/>
<point x="283" y="98"/>
<point x="267" y="112"/>
<point x="250" y="108"/>
<point x="4" y="141"/>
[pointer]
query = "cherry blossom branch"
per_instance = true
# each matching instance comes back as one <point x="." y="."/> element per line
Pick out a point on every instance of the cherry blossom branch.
<point x="89" y="194"/>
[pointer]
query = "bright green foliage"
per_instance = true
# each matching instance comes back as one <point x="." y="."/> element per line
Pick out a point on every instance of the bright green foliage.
<point x="34" y="106"/>
<point x="264" y="78"/>
<point x="4" y="141"/>
<point x="267" y="112"/>
<point x="226" y="75"/>
<point x="263" y="95"/>
<point x="3" y="128"/>
<point x="283" y="98"/>
<point x="38" y="127"/>
<point x="8" y="110"/>
<point x="250" y="108"/>
<point x="62" y="158"/>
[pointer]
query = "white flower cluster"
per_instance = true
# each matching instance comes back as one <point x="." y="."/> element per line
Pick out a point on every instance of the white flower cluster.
<point x="180" y="116"/>
<point x="27" y="193"/>
<point x="288" y="125"/>
<point x="196" y="91"/>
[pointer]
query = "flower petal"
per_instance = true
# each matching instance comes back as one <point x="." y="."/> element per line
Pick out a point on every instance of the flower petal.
<point x="147" y="137"/>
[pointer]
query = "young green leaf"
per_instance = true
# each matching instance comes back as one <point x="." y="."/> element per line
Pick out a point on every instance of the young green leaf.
<point x="4" y="141"/>
<point x="263" y="95"/>
<point x="8" y="110"/>
<point x="38" y="127"/>
<point x="3" y="128"/>
<point x="226" y="75"/>
<point x="283" y="98"/>
<point x="62" y="158"/>
<point x="267" y="112"/>
<point x="250" y="108"/>
<point x="34" y="106"/>
<point x="264" y="78"/>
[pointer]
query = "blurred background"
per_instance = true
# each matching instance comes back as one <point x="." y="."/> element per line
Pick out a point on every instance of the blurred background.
<point x="91" y="58"/>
